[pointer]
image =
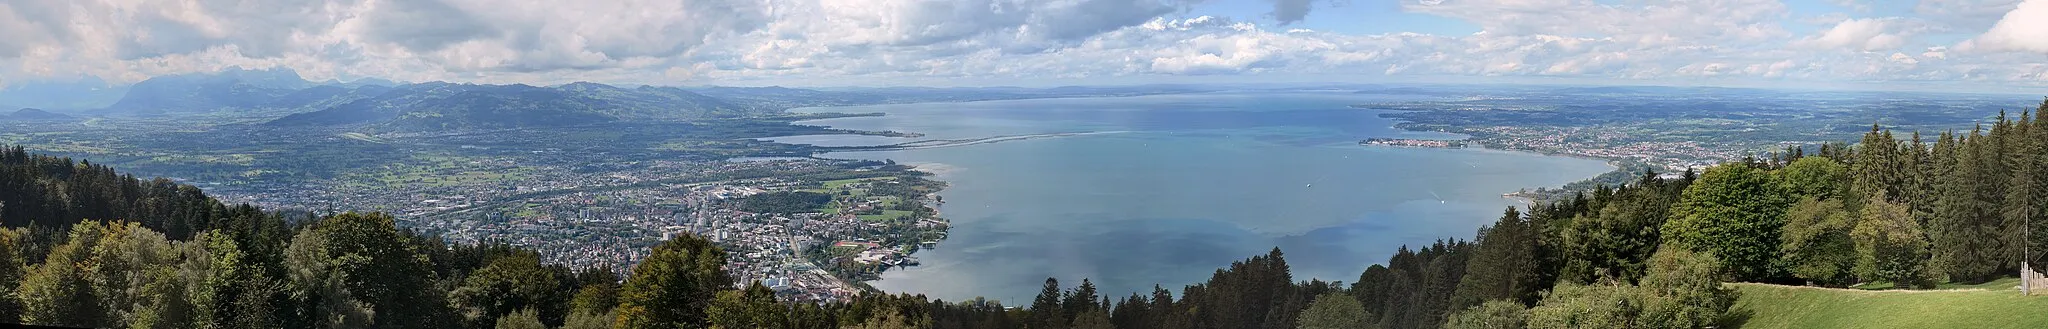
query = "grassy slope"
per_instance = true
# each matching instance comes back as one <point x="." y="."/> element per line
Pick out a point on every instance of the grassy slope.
<point x="1774" y="306"/>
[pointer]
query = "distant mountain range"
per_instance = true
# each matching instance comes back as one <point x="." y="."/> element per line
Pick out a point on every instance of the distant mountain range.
<point x="83" y="93"/>
<point x="437" y="106"/>
<point x="234" y="89"/>
<point x="32" y="114"/>
<point x="386" y="106"/>
<point x="377" y="105"/>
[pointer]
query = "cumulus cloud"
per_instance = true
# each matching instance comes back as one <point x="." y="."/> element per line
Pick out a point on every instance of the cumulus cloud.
<point x="1935" y="52"/>
<point x="1869" y="34"/>
<point x="1903" y="59"/>
<point x="2025" y="28"/>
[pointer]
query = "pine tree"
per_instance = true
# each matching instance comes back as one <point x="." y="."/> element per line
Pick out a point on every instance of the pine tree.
<point x="1132" y="312"/>
<point x="1081" y="299"/>
<point x="1503" y="266"/>
<point x="2025" y="187"/>
<point x="2033" y="229"/>
<point x="1047" y="310"/>
<point x="1965" y="230"/>
<point x="1922" y="179"/>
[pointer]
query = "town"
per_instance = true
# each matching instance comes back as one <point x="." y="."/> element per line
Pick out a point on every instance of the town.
<point x="1404" y="142"/>
<point x="610" y="219"/>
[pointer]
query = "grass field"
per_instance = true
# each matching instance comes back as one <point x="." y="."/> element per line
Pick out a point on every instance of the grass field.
<point x="362" y="137"/>
<point x="836" y="184"/>
<point x="887" y="215"/>
<point x="1980" y="306"/>
<point x="2005" y="283"/>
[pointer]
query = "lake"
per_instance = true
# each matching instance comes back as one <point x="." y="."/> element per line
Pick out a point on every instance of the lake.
<point x="1172" y="187"/>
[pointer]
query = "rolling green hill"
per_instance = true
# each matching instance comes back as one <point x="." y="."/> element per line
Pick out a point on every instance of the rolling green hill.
<point x="1994" y="305"/>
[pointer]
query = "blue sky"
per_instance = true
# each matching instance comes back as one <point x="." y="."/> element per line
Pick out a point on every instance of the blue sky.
<point x="1954" y="43"/>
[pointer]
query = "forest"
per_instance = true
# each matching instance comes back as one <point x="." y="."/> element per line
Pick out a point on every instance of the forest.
<point x="85" y="246"/>
<point x="786" y="202"/>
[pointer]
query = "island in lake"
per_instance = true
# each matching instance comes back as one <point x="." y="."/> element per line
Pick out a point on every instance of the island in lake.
<point x="1405" y="142"/>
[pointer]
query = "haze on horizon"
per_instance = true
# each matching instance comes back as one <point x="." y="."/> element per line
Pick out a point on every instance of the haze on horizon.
<point x="1954" y="44"/>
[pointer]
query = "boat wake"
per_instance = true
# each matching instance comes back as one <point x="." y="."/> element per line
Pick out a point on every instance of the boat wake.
<point x="938" y="143"/>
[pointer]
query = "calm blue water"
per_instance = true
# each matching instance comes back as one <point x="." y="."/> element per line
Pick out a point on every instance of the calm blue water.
<point x="1181" y="185"/>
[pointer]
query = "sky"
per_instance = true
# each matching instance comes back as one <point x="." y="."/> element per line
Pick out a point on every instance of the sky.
<point x="1953" y="43"/>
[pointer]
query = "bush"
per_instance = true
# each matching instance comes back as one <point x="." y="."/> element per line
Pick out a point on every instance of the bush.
<point x="1494" y="314"/>
<point x="1333" y="311"/>
<point x="1681" y="291"/>
<point x="523" y="319"/>
<point x="1606" y="304"/>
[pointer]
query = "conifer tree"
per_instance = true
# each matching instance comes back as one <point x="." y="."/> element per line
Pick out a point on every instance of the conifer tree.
<point x="2025" y="188"/>
<point x="1047" y="311"/>
<point x="1503" y="265"/>
<point x="1081" y="299"/>
<point x="1965" y="230"/>
<point x="1877" y="169"/>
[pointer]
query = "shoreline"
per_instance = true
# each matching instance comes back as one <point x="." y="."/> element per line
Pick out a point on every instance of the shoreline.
<point x="1473" y="143"/>
<point x="939" y="170"/>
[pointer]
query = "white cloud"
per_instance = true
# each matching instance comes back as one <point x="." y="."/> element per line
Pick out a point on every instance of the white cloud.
<point x="2025" y="28"/>
<point x="1901" y="58"/>
<point x="1869" y="34"/>
<point x="711" y="41"/>
<point x="1935" y="52"/>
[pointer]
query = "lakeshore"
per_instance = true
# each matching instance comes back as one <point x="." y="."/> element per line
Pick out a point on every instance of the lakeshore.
<point x="1177" y="188"/>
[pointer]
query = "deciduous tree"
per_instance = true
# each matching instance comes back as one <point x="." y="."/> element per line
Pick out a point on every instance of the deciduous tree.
<point x="674" y="285"/>
<point x="1334" y="311"/>
<point x="1735" y="212"/>
<point x="1889" y="246"/>
<point x="1816" y="242"/>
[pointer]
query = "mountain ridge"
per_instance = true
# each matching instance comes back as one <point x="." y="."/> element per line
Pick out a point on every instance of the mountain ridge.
<point x="437" y="106"/>
<point x="29" y="114"/>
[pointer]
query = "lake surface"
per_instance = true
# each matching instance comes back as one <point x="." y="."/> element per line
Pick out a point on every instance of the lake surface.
<point x="1176" y="186"/>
